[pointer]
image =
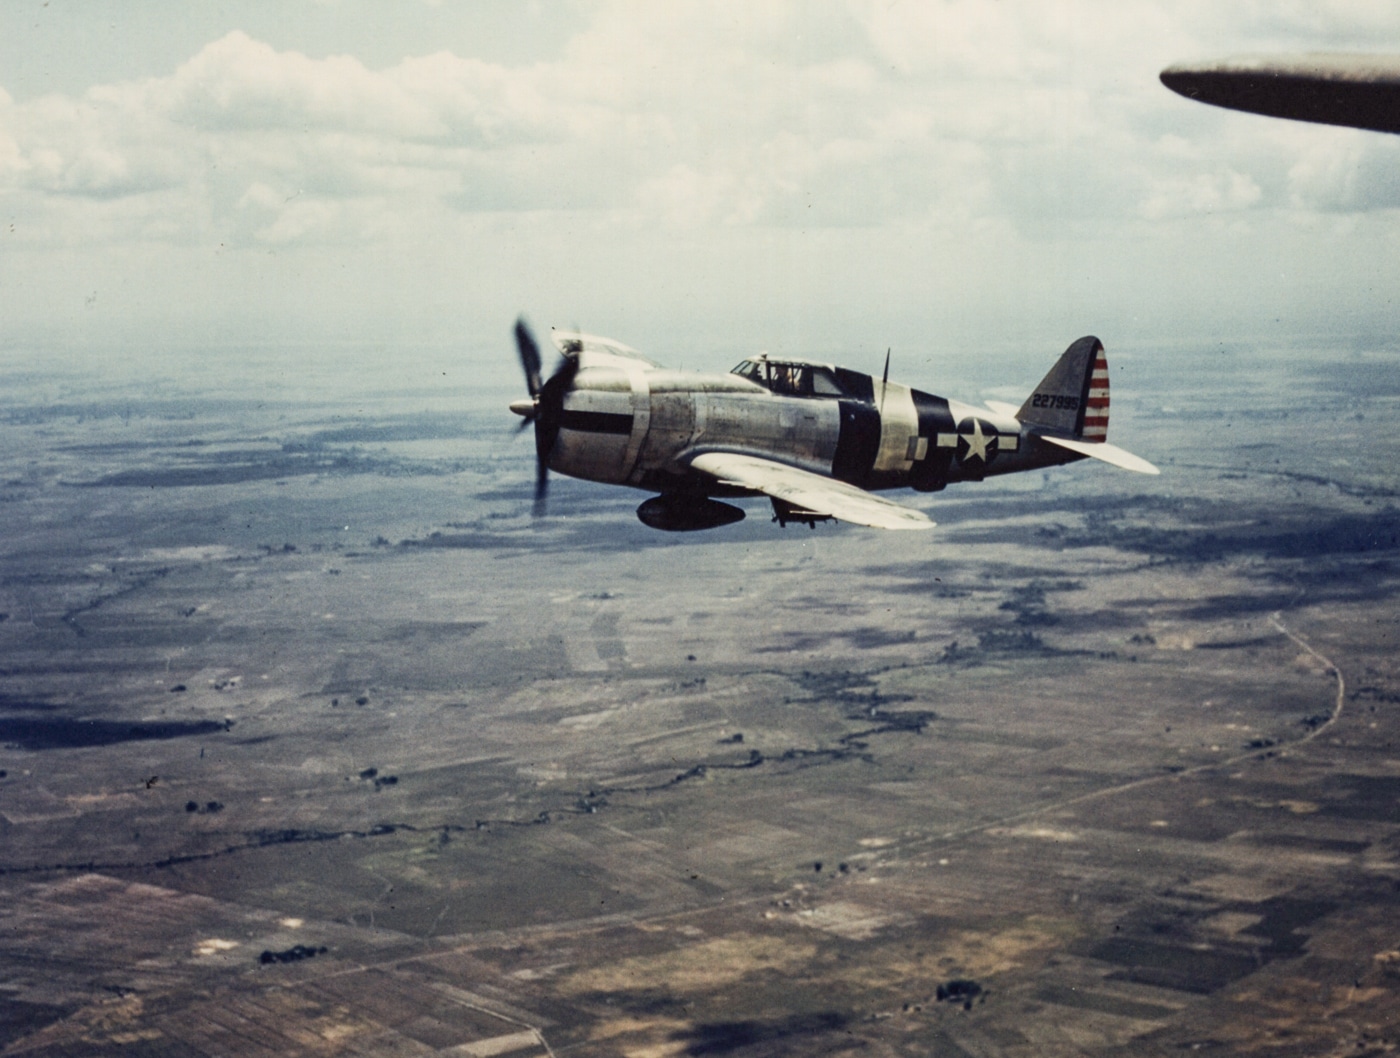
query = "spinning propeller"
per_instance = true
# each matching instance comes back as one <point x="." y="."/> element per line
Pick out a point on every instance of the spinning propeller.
<point x="545" y="408"/>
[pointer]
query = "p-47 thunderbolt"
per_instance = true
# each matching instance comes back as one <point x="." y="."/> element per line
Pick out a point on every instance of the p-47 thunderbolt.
<point x="818" y="440"/>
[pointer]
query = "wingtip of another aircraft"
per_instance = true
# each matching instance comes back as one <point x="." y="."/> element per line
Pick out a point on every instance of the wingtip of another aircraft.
<point x="1330" y="88"/>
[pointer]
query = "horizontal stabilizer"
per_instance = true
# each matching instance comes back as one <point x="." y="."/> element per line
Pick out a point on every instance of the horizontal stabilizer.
<point x="812" y="493"/>
<point x="1104" y="451"/>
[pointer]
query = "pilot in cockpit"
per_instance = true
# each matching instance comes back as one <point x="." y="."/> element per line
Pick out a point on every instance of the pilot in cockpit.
<point x="789" y="378"/>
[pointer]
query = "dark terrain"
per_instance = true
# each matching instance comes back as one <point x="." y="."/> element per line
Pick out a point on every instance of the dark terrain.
<point x="313" y="741"/>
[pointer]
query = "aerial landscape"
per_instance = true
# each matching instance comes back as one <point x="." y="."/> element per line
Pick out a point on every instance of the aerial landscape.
<point x="315" y="741"/>
<point x="322" y="733"/>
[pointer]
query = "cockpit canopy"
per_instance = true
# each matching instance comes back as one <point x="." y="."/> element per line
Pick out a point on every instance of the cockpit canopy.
<point x="796" y="378"/>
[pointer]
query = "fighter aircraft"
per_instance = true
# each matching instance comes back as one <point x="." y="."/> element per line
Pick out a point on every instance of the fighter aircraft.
<point x="815" y="438"/>
<point x="1362" y="91"/>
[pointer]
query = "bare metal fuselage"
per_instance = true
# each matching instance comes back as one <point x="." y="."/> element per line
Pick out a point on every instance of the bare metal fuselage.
<point x="630" y="424"/>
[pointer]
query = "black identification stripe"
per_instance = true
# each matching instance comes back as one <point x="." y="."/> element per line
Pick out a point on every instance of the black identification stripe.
<point x="858" y="443"/>
<point x="596" y="422"/>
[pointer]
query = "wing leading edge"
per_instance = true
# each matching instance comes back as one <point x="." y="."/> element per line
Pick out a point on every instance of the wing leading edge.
<point x="802" y="488"/>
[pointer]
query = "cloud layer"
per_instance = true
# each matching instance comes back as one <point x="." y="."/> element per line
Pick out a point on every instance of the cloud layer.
<point x="685" y="116"/>
<point x="1013" y="126"/>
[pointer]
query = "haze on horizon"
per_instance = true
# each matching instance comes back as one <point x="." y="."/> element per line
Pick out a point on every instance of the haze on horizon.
<point x="699" y="181"/>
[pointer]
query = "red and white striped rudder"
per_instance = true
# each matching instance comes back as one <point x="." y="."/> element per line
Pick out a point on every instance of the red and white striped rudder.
<point x="1096" y="403"/>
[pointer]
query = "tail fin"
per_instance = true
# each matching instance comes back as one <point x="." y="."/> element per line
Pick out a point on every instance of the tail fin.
<point x="1073" y="397"/>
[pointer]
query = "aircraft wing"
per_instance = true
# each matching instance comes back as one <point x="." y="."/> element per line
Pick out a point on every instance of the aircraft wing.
<point x="813" y="492"/>
<point x="1362" y="91"/>
<point x="1104" y="451"/>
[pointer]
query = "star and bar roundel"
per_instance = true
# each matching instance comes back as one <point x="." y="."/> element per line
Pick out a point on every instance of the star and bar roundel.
<point x="977" y="441"/>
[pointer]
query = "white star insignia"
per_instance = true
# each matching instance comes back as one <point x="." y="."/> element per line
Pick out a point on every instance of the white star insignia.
<point x="976" y="442"/>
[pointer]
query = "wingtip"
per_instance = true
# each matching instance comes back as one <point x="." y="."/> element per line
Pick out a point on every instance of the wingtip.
<point x="915" y="521"/>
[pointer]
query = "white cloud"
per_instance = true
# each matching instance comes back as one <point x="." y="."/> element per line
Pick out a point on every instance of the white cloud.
<point x="1219" y="192"/>
<point x="688" y="115"/>
<point x="813" y="141"/>
<point x="241" y="116"/>
<point x="1345" y="170"/>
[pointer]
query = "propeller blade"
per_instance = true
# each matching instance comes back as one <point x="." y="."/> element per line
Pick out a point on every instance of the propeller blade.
<point x="549" y="414"/>
<point x="541" y="489"/>
<point x="551" y="408"/>
<point x="529" y="356"/>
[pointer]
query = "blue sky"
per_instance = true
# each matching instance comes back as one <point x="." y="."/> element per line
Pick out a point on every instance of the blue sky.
<point x="696" y="179"/>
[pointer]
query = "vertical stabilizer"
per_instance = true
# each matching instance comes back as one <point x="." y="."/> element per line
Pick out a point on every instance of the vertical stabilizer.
<point x="1073" y="398"/>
